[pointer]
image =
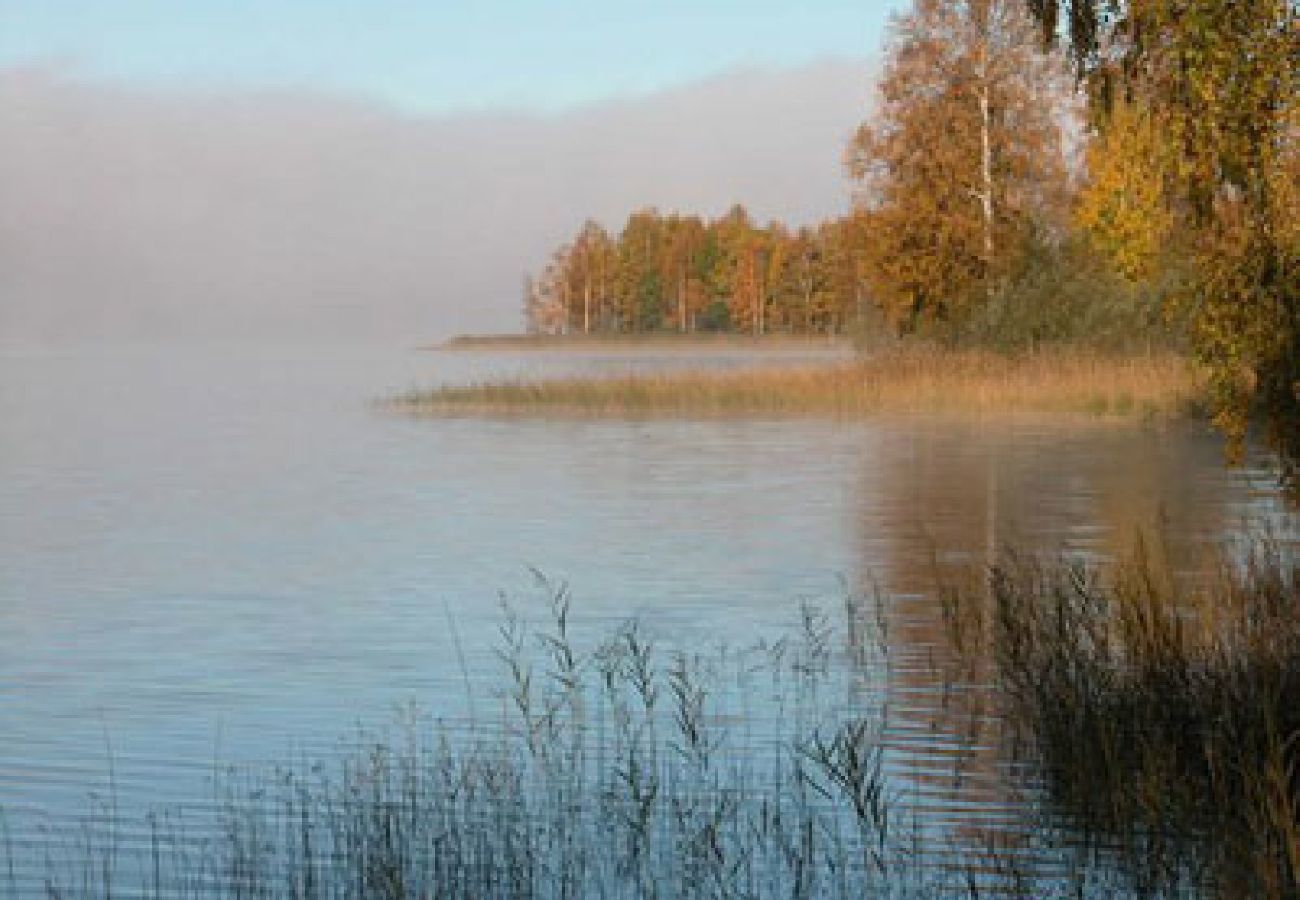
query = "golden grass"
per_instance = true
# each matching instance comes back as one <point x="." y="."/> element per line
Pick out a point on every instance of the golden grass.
<point x="1161" y="386"/>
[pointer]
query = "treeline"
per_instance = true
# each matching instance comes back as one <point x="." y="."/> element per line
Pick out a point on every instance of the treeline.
<point x="961" y="221"/>
<point x="685" y="274"/>
<point x="973" y="220"/>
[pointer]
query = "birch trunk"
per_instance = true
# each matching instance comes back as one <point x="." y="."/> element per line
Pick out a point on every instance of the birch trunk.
<point x="586" y="305"/>
<point x="681" y="301"/>
<point x="986" y="146"/>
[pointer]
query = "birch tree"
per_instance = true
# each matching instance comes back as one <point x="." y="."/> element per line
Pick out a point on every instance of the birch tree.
<point x="962" y="156"/>
<point x="592" y="264"/>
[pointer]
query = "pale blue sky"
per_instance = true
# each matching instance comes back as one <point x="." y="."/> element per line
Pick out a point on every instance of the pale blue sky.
<point x="427" y="56"/>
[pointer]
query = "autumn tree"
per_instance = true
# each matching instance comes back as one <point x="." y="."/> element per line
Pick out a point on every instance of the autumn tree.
<point x="1123" y="208"/>
<point x="843" y="273"/>
<point x="590" y="267"/>
<point x="682" y="275"/>
<point x="545" y="302"/>
<point x="735" y="278"/>
<point x="963" y="154"/>
<point x="782" y="278"/>
<point x="639" y="277"/>
<point x="1219" y="81"/>
<point x="712" y="265"/>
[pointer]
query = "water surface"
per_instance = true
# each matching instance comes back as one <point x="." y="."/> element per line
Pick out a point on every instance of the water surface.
<point x="217" y="554"/>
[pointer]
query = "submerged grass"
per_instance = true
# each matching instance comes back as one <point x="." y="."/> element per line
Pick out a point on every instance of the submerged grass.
<point x="1165" y="717"/>
<point x="1156" y="385"/>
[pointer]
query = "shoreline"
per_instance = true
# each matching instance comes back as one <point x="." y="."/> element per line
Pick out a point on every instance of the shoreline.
<point x="666" y="341"/>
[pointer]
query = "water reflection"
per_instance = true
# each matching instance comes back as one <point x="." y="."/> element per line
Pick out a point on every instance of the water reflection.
<point x="940" y="501"/>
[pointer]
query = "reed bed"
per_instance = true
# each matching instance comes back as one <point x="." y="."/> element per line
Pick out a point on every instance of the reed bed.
<point x="619" y="770"/>
<point x="913" y="380"/>
<point x="1155" y="719"/>
<point x="1164" y="715"/>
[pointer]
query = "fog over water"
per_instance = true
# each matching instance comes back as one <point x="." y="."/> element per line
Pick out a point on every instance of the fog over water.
<point x="134" y="214"/>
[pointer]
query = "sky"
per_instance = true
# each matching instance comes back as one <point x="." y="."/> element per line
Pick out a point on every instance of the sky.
<point x="435" y="56"/>
<point x="388" y="168"/>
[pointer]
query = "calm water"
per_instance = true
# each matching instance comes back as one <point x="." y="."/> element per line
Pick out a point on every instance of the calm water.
<point x="216" y="554"/>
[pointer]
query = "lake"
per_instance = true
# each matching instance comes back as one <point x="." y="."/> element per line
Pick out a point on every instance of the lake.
<point x="217" y="555"/>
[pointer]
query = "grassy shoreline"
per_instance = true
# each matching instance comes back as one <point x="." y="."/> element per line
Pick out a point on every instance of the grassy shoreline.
<point x="1158" y="386"/>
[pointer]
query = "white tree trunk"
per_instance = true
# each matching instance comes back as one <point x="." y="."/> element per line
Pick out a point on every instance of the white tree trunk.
<point x="986" y="171"/>
<point x="986" y="138"/>
<point x="681" y="301"/>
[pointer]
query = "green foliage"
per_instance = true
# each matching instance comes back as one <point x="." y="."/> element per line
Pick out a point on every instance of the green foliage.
<point x="649" y="311"/>
<point x="1066" y="294"/>
<point x="1247" y="328"/>
<point x="714" y="317"/>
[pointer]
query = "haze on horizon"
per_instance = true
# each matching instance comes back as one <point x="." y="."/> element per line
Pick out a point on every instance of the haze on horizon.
<point x="136" y="213"/>
<point x="388" y="170"/>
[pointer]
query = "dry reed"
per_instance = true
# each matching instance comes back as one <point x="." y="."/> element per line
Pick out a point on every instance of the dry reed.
<point x="1154" y="386"/>
<point x="1165" y="717"/>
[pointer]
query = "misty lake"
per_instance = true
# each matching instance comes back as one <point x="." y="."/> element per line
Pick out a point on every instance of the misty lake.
<point x="215" y="555"/>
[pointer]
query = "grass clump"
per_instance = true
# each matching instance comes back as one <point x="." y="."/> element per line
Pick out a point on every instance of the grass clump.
<point x="1165" y="718"/>
<point x="911" y="379"/>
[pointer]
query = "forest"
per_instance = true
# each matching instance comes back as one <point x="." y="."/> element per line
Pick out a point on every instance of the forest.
<point x="682" y="273"/>
<point x="1111" y="175"/>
